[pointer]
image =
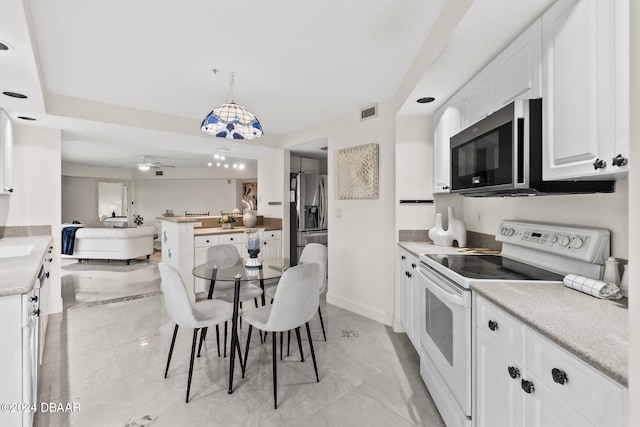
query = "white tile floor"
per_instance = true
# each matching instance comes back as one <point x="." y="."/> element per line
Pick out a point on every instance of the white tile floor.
<point x="107" y="351"/>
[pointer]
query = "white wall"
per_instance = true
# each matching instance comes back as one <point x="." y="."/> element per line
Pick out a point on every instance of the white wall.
<point x="596" y="210"/>
<point x="634" y="226"/>
<point x="414" y="166"/>
<point x="36" y="199"/>
<point x="153" y="197"/>
<point x="362" y="232"/>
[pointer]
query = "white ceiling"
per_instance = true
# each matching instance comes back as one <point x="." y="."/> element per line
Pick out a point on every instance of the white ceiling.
<point x="125" y="79"/>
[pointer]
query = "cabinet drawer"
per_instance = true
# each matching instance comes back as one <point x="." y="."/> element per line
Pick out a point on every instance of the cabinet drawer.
<point x="205" y="241"/>
<point x="272" y="235"/>
<point x="232" y="238"/>
<point x="596" y="397"/>
<point x="503" y="329"/>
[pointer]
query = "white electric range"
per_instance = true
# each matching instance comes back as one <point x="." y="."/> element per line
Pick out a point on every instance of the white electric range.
<point x="539" y="252"/>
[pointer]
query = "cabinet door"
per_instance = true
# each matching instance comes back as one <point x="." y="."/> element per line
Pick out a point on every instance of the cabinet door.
<point x="583" y="73"/>
<point x="499" y="400"/>
<point x="272" y="244"/>
<point x="543" y="408"/>
<point x="405" y="289"/>
<point x="480" y="95"/>
<point x="447" y="122"/>
<point x="200" y="257"/>
<point x="518" y="67"/>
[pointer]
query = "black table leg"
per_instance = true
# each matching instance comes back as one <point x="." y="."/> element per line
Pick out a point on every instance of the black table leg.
<point x="264" y="302"/>
<point x="234" y="331"/>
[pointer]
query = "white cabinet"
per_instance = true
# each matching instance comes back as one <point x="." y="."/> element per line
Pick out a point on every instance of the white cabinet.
<point x="271" y="244"/>
<point x="410" y="305"/>
<point x="19" y="358"/>
<point x="447" y="122"/>
<point x="518" y="68"/>
<point x="201" y="245"/>
<point x="6" y="154"/>
<point x="523" y="379"/>
<point x="480" y="95"/>
<point x="585" y="83"/>
<point x="235" y="239"/>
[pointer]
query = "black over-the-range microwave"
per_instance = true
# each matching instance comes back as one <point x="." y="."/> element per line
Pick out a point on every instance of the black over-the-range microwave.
<point x="501" y="155"/>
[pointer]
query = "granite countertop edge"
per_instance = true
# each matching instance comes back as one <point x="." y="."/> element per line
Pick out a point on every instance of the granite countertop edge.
<point x="20" y="273"/>
<point x="593" y="330"/>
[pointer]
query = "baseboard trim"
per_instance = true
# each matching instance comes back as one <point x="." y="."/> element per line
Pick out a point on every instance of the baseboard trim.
<point x="365" y="310"/>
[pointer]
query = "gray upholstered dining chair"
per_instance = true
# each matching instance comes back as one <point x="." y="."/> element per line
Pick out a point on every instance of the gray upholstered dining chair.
<point x="312" y="253"/>
<point x="183" y="313"/>
<point x="296" y="302"/>
<point x="227" y="257"/>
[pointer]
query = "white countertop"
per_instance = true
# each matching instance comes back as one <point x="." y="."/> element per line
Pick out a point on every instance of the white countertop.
<point x="19" y="273"/>
<point x="592" y="329"/>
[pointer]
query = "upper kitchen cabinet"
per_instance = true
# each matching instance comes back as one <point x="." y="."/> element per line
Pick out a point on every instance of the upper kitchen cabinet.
<point x="447" y="122"/>
<point x="585" y="83"/>
<point x="6" y="154"/>
<point x="479" y="98"/>
<point x="517" y="68"/>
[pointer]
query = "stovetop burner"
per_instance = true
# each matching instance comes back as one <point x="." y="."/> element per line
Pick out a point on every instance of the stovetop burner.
<point x="493" y="267"/>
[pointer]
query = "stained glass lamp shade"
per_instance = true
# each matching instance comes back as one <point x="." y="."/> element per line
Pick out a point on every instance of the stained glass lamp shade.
<point x="232" y="121"/>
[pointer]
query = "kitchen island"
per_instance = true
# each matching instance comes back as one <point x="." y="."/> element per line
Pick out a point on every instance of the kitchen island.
<point x="185" y="241"/>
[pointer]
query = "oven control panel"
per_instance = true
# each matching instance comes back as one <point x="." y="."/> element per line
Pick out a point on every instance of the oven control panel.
<point x="583" y="243"/>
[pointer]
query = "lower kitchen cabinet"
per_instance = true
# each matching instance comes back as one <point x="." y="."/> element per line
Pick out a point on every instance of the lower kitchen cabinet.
<point x="523" y="379"/>
<point x="271" y="244"/>
<point x="410" y="309"/>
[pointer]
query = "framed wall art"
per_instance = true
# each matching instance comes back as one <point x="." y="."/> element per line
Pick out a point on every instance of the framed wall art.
<point x="358" y="172"/>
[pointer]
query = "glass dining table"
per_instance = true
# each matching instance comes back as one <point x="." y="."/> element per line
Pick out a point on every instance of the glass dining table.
<point x="272" y="268"/>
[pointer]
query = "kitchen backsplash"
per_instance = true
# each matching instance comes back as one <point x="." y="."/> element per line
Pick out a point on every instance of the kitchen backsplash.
<point x="474" y="239"/>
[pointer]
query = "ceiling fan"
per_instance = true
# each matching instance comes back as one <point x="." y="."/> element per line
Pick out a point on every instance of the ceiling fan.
<point x="146" y="163"/>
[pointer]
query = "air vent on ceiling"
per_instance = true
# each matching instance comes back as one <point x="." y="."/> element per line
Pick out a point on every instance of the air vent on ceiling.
<point x="369" y="112"/>
<point x="159" y="173"/>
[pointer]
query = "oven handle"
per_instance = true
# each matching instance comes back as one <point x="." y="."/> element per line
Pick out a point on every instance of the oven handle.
<point x="441" y="287"/>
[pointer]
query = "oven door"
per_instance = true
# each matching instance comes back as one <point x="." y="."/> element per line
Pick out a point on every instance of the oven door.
<point x="445" y="332"/>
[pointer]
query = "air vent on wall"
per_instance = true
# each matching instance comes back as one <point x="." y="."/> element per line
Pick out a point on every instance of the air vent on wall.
<point x="369" y="112"/>
<point x="159" y="173"/>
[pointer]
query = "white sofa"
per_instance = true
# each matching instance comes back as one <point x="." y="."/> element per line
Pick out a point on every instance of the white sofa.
<point x="113" y="243"/>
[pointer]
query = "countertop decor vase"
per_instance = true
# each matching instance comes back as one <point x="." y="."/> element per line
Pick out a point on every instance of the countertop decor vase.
<point x="249" y="218"/>
<point x="227" y="225"/>
<point x="438" y="235"/>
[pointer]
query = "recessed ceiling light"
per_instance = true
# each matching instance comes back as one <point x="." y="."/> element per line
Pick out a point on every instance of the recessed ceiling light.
<point x="4" y="46"/>
<point x="226" y="165"/>
<point x="27" y="118"/>
<point x="15" y="95"/>
<point x="425" y="100"/>
<point x="209" y="164"/>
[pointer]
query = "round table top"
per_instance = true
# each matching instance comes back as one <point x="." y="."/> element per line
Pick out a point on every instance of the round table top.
<point x="272" y="268"/>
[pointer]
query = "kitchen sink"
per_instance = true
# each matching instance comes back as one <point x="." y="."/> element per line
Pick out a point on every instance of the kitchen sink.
<point x="15" y="251"/>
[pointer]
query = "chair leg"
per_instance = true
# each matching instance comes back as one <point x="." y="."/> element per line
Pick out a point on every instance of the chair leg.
<point x="225" y="339"/>
<point x="239" y="351"/>
<point x="313" y="354"/>
<point x="203" y="335"/>
<point x="193" y="352"/>
<point x="299" y="344"/>
<point x="173" y="341"/>
<point x="275" y="374"/>
<point x="281" y="342"/>
<point x="218" y="339"/>
<point x="246" y="351"/>
<point x="288" y="343"/>
<point x="321" y="323"/>
<point x="255" y="300"/>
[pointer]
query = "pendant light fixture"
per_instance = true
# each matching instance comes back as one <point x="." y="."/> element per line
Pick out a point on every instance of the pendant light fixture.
<point x="232" y="121"/>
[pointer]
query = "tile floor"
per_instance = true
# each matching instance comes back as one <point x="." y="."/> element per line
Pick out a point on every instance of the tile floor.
<point x="108" y="349"/>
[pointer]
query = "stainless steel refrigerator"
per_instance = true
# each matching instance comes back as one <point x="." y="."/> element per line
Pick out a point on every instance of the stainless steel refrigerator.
<point x="308" y="212"/>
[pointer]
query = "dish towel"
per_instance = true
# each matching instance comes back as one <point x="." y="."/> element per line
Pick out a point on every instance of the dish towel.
<point x="593" y="287"/>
